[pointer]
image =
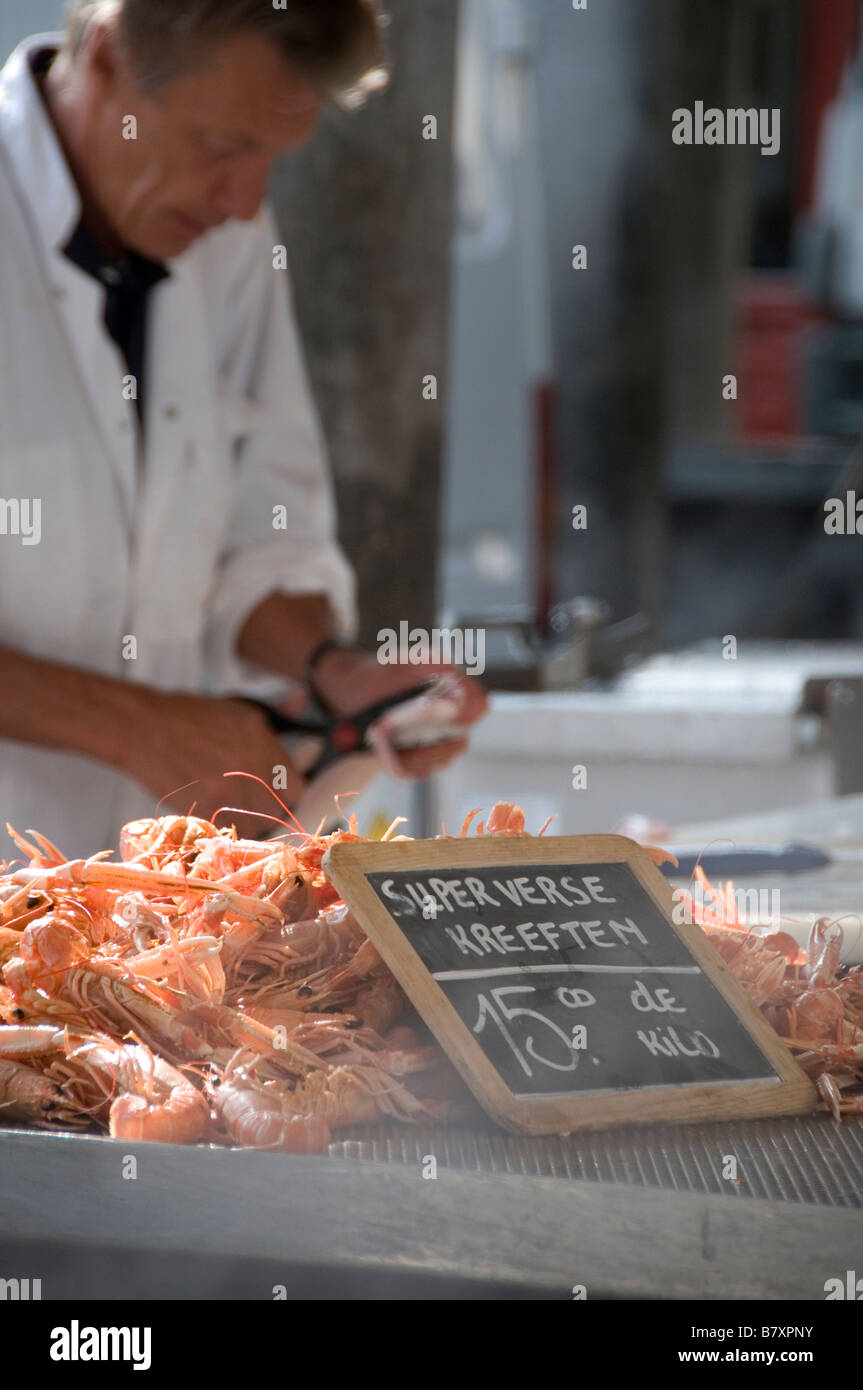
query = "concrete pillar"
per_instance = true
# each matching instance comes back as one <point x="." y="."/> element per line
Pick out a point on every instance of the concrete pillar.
<point x="366" y="215"/>
<point x="710" y="219"/>
<point x="607" y="92"/>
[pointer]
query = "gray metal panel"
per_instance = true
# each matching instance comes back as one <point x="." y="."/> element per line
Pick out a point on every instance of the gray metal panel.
<point x="617" y="1240"/>
<point x="809" y="1159"/>
<point x="812" y="1159"/>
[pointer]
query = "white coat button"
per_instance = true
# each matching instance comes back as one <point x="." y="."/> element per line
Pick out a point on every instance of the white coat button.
<point x="59" y="292"/>
<point x="172" y="412"/>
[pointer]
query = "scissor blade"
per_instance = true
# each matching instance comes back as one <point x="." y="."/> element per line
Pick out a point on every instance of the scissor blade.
<point x="372" y="713"/>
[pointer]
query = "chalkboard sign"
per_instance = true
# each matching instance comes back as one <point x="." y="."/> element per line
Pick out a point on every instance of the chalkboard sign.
<point x="554" y="975"/>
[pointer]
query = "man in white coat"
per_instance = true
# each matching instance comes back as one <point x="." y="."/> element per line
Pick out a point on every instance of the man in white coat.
<point x="167" y="525"/>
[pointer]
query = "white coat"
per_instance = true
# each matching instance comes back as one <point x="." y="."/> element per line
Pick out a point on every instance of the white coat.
<point x="171" y="543"/>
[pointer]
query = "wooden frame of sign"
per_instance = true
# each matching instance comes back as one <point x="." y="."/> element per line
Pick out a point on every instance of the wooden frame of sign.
<point x="463" y="958"/>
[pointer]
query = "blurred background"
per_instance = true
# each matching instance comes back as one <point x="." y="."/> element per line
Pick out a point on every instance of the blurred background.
<point x="691" y="377"/>
<point x="525" y="306"/>
<point x="705" y="498"/>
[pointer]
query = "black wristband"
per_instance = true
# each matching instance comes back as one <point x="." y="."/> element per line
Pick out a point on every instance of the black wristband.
<point x="329" y="644"/>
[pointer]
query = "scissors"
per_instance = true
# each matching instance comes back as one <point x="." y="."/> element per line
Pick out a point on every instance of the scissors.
<point x="341" y="735"/>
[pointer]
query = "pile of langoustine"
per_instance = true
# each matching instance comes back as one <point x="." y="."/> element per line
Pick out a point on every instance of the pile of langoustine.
<point x="814" y="1006"/>
<point x="207" y="988"/>
<point x="214" y="989"/>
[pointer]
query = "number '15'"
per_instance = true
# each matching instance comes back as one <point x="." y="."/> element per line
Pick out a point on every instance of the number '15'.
<point x="502" y="1013"/>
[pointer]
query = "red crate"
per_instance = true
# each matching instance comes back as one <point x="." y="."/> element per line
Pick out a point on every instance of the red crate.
<point x="774" y="315"/>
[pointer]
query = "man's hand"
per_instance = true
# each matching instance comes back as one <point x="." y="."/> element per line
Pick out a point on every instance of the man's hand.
<point x="349" y="681"/>
<point x="285" y="629"/>
<point x="180" y="747"/>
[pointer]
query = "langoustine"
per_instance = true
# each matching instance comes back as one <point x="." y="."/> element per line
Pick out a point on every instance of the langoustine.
<point x="816" y="1011"/>
<point x="205" y="985"/>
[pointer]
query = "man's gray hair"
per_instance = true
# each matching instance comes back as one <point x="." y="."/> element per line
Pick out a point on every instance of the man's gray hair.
<point x="336" y="44"/>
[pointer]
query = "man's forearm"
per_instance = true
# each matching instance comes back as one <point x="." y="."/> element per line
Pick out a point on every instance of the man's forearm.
<point x="63" y="707"/>
<point x="283" y="632"/>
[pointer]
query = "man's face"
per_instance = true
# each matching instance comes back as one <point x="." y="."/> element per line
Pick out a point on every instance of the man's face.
<point x="205" y="143"/>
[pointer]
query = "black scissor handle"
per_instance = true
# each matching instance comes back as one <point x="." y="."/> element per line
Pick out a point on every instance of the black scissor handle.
<point x="287" y="723"/>
<point x="342" y="735"/>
